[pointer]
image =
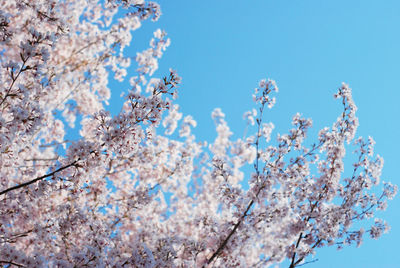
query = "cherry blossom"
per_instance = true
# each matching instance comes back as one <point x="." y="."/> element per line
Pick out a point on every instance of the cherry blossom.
<point x="137" y="189"/>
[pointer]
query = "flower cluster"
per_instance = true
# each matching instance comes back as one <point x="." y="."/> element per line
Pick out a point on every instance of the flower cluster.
<point x="129" y="192"/>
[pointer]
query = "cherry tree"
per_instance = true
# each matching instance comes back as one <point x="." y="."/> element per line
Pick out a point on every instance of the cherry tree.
<point x="136" y="189"/>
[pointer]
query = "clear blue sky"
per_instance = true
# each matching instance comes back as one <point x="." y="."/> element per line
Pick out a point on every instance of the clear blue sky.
<point x="223" y="48"/>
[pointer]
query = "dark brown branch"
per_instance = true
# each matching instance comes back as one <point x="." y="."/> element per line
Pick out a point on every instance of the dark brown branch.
<point x="325" y="189"/>
<point x="22" y="69"/>
<point x="292" y="264"/>
<point x="223" y="244"/>
<point x="256" y="167"/>
<point x="307" y="262"/>
<point x="38" y="178"/>
<point x="11" y="263"/>
<point x="302" y="258"/>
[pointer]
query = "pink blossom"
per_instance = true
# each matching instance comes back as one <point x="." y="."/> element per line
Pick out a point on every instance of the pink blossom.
<point x="130" y="191"/>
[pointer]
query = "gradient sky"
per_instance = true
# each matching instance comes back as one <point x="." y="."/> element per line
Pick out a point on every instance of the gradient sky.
<point x="223" y="48"/>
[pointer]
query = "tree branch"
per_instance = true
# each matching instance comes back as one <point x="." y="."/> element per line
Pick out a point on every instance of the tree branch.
<point x="223" y="244"/>
<point x="38" y="178"/>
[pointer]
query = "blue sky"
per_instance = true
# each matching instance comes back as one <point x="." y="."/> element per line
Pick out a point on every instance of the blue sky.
<point x="223" y="48"/>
